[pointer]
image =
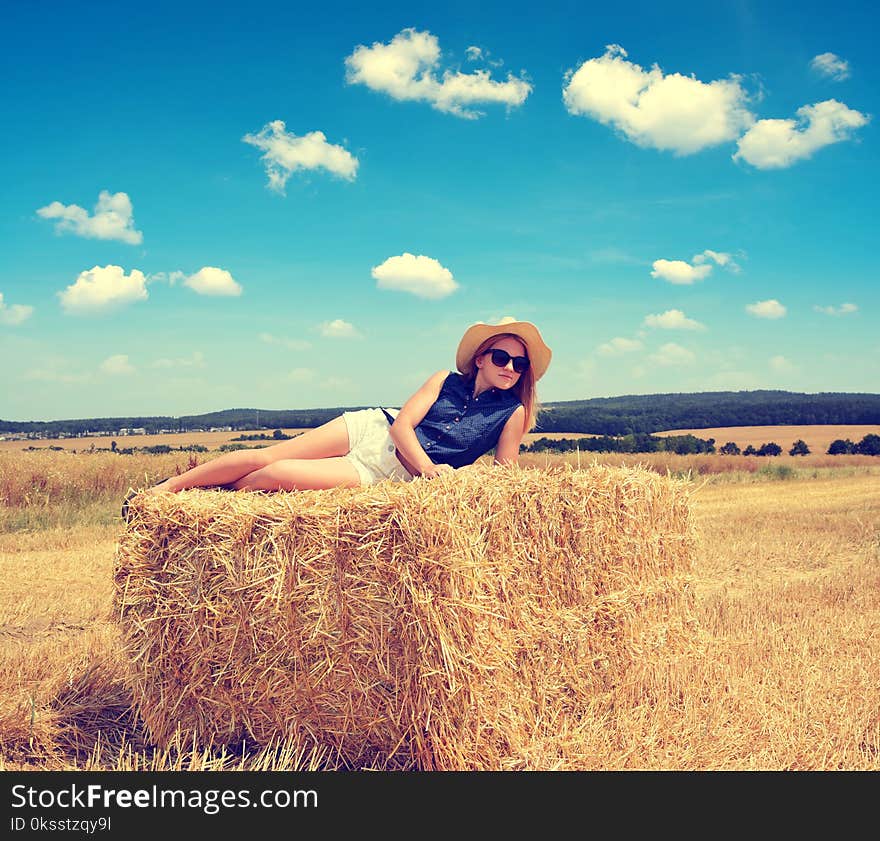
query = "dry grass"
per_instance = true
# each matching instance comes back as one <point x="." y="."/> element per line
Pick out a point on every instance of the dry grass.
<point x="47" y="479"/>
<point x="713" y="467"/>
<point x="50" y="481"/>
<point x="785" y="673"/>
<point x="789" y="678"/>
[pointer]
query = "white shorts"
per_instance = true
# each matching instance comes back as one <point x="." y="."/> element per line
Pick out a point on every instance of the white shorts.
<point x="371" y="450"/>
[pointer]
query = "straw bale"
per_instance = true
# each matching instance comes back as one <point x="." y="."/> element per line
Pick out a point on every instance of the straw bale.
<point x="464" y="622"/>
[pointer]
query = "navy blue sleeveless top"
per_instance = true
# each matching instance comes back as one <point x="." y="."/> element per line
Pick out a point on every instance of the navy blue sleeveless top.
<point x="459" y="428"/>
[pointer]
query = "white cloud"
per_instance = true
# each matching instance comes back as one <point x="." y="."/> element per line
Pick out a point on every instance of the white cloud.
<point x="672" y="354"/>
<point x="421" y="276"/>
<point x="285" y="153"/>
<point x="767" y="309"/>
<point x="495" y="319"/>
<point x="843" y="309"/>
<point x="212" y="281"/>
<point x="290" y="344"/>
<point x="684" y="273"/>
<point x="776" y="144"/>
<point x="680" y="272"/>
<point x="676" y="113"/>
<point x="197" y="360"/>
<point x="672" y="320"/>
<point x="406" y="69"/>
<point x="831" y="65"/>
<point x="612" y="254"/>
<point x="338" y="329"/>
<point x="170" y="278"/>
<point x="619" y="345"/>
<point x="336" y="384"/>
<point x="301" y="375"/>
<point x="479" y="54"/>
<point x="722" y="258"/>
<point x="11" y="315"/>
<point x="781" y="365"/>
<point x="103" y="288"/>
<point x="112" y="219"/>
<point x="117" y="364"/>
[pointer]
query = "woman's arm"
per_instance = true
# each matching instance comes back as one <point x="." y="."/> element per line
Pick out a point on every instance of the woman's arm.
<point x="403" y="430"/>
<point x="507" y="449"/>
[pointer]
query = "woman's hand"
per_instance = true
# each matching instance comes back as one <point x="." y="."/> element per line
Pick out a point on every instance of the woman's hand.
<point x="403" y="431"/>
<point x="436" y="470"/>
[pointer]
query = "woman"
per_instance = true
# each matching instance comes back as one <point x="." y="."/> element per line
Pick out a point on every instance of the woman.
<point x="451" y="421"/>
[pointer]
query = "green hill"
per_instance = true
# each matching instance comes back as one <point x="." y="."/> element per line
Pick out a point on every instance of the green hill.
<point x="624" y="415"/>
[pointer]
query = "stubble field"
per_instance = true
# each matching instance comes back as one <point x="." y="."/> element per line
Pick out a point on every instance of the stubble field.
<point x="784" y="672"/>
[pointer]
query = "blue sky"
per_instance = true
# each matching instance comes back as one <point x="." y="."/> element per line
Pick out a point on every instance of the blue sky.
<point x="208" y="207"/>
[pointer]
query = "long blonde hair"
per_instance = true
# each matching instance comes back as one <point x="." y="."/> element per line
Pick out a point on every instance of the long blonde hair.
<point x="525" y="386"/>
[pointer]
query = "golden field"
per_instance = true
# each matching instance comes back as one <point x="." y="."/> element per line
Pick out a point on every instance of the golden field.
<point x="784" y="672"/>
<point x="211" y="440"/>
<point x="817" y="438"/>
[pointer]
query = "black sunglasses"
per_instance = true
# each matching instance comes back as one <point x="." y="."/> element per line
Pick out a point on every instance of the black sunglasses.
<point x="502" y="357"/>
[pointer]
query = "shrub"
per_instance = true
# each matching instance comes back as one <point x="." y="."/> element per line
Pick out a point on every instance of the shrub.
<point x="157" y="449"/>
<point x="226" y="448"/>
<point x="777" y="471"/>
<point x="869" y="445"/>
<point x="769" y="449"/>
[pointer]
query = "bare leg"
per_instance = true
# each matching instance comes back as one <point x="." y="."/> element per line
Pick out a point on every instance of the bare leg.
<point x="302" y="475"/>
<point x="327" y="441"/>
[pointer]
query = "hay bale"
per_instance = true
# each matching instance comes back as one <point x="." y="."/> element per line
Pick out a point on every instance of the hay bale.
<point x="466" y="622"/>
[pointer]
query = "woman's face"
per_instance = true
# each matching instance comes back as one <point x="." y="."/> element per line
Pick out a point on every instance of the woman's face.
<point x="495" y="377"/>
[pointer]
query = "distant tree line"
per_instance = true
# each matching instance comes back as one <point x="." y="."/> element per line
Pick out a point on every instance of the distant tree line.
<point x="690" y="444"/>
<point x="610" y="416"/>
<point x="679" y="444"/>
<point x="640" y="443"/>
<point x="236" y="419"/>
<point x="657" y="412"/>
<point x="277" y="435"/>
<point x="155" y="450"/>
<point x="868" y="446"/>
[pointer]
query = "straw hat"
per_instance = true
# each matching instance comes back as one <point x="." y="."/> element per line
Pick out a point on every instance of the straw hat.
<point x="476" y="334"/>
